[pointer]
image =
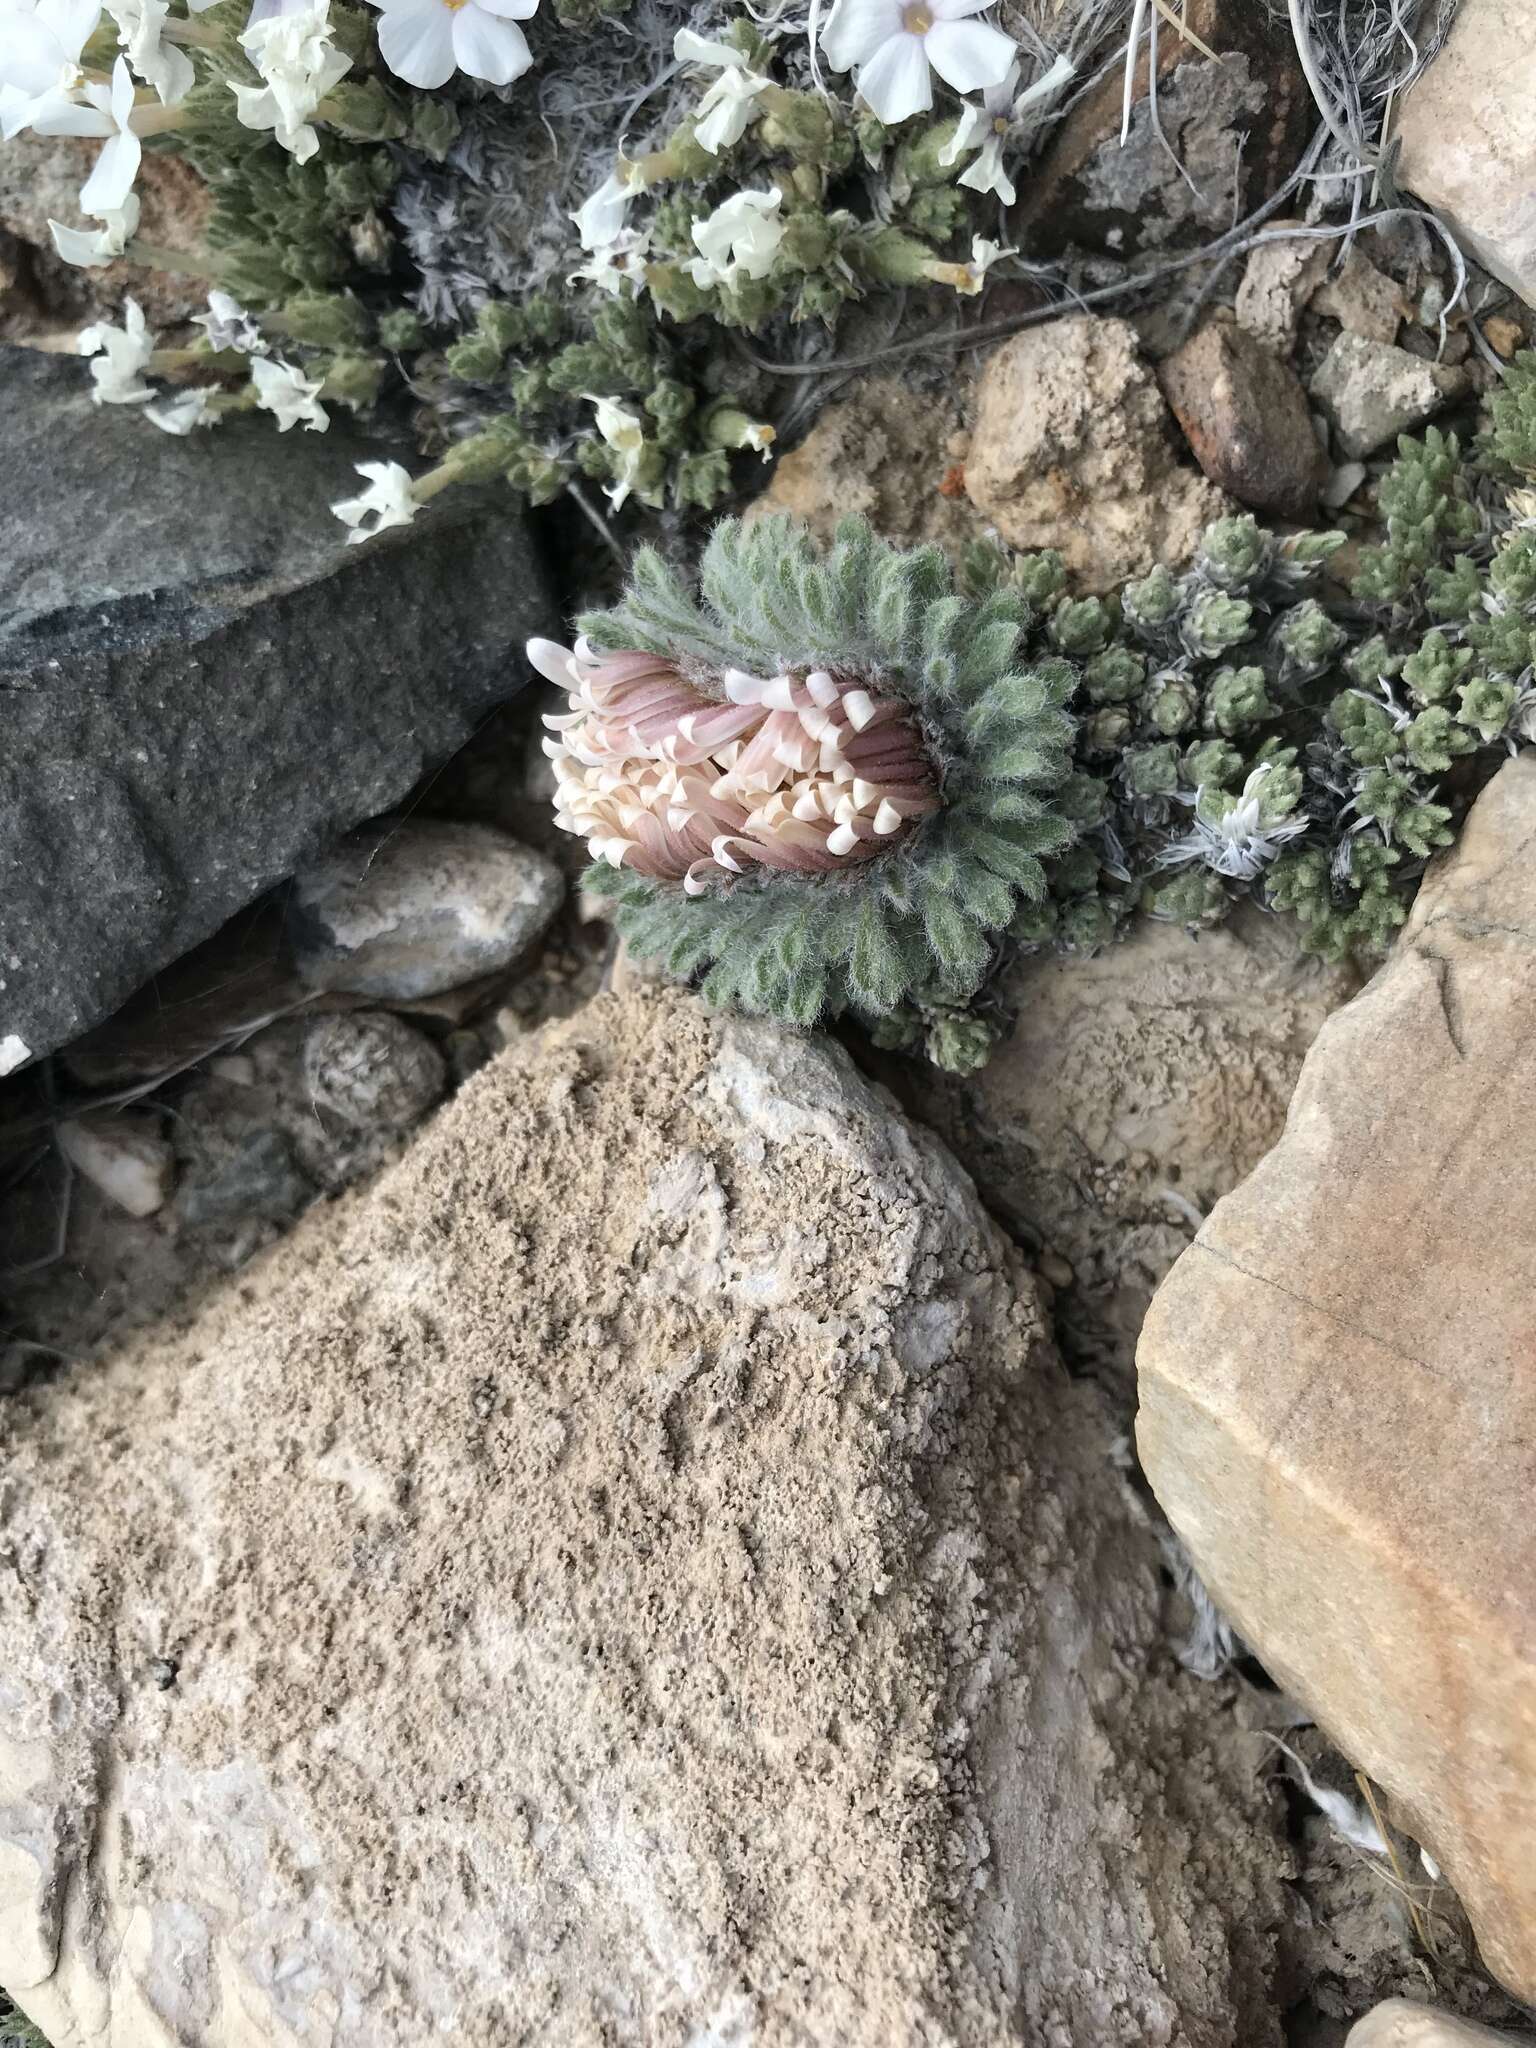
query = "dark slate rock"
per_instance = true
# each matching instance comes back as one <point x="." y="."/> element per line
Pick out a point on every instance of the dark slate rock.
<point x="201" y="685"/>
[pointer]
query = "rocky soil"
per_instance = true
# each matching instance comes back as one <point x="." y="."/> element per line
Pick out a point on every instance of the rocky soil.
<point x="529" y="1511"/>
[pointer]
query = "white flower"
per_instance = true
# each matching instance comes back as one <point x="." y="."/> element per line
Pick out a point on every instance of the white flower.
<point x="186" y="412"/>
<point x="1239" y="843"/>
<point x="104" y="110"/>
<point x="999" y="120"/>
<point x="983" y="255"/>
<point x="616" y="251"/>
<point x="426" y="41"/>
<point x="288" y="395"/>
<point x="388" y="501"/>
<point x="623" y="257"/>
<point x="625" y="434"/>
<point x="728" y="105"/>
<point x="40" y="50"/>
<point x="228" y="326"/>
<point x="968" y="278"/>
<point x="740" y="239"/>
<point x="761" y="437"/>
<point x="298" y="65"/>
<point x="891" y="44"/>
<point x="88" y="251"/>
<point x="602" y="218"/>
<point x="140" y="24"/>
<point x="121" y="356"/>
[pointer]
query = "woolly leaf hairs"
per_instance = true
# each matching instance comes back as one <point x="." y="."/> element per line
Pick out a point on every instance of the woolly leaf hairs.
<point x="824" y="785"/>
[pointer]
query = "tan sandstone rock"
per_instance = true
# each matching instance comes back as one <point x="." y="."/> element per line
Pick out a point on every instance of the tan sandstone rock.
<point x="1134" y="1089"/>
<point x="636" y="1574"/>
<point x="889" y="452"/>
<point x="1073" y="448"/>
<point x="1467" y="131"/>
<point x="1398" y="2023"/>
<point x="1279" y="278"/>
<point x="40" y="180"/>
<point x="1338" y="1381"/>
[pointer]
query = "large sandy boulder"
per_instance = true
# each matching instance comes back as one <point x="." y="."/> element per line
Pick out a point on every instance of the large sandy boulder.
<point x="637" y="1574"/>
<point x="1338" y="1380"/>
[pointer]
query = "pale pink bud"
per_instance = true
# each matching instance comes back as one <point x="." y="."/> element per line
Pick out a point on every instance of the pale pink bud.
<point x="802" y="772"/>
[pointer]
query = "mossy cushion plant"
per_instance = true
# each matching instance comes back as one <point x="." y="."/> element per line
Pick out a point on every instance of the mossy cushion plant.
<point x="824" y="786"/>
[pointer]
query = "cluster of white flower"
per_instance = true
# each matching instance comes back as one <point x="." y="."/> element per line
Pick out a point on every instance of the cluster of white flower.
<point x="120" y="70"/>
<point x="51" y="85"/>
<point x="121" y="357"/>
<point x="891" y="47"/>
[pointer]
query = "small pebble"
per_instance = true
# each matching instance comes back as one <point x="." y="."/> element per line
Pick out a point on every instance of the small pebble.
<point x="127" y="1160"/>
<point x="1503" y="335"/>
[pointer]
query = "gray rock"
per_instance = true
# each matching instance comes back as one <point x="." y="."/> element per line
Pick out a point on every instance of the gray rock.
<point x="1372" y="392"/>
<point x="1236" y="128"/>
<point x="1401" y="2023"/>
<point x="202" y="685"/>
<point x="372" y="1070"/>
<point x="258" y="1178"/>
<point x="419" y="908"/>
<point x="1363" y="299"/>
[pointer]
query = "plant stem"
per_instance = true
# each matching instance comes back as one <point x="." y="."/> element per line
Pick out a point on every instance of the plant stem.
<point x="150" y="118"/>
<point x="180" y="262"/>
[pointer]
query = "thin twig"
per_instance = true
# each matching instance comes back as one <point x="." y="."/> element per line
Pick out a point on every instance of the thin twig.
<point x="1138" y="15"/>
<point x="610" y="539"/>
<point x="1421" y="1925"/>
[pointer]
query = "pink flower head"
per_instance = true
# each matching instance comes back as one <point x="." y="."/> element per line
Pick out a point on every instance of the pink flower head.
<point x="803" y="772"/>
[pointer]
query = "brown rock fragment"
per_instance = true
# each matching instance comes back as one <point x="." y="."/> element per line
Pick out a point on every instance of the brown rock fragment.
<point x="1338" y="1381"/>
<point x="1090" y="190"/>
<point x="40" y="180"/>
<point x="1363" y="299"/>
<point x="1245" y="414"/>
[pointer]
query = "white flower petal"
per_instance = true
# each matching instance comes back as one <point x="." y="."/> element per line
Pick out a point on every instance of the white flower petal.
<point x="689" y="48"/>
<point x="970" y="132"/>
<point x="895" y="82"/>
<point x="969" y="54"/>
<point x="31" y="55"/>
<point x="416" y="42"/>
<point x="183" y="414"/>
<point x="487" y="47"/>
<point x="856" y="29"/>
<point x="511" y="10"/>
<point x="600" y="219"/>
<point x="74" y="23"/>
<point x="108" y="188"/>
<point x="986" y="174"/>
